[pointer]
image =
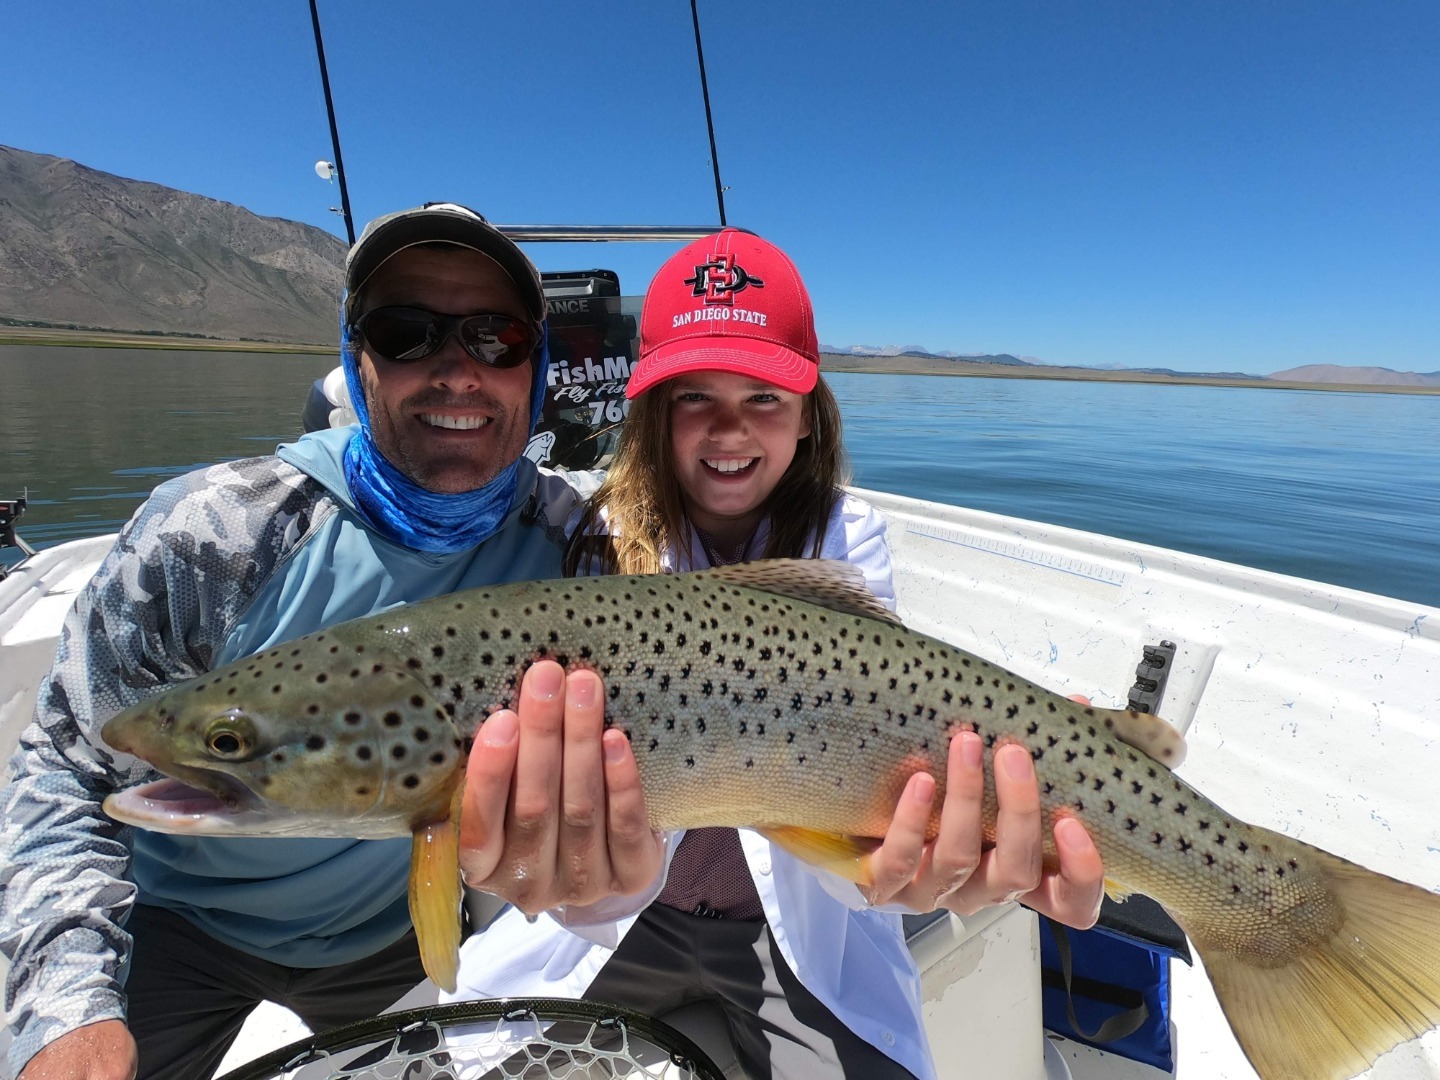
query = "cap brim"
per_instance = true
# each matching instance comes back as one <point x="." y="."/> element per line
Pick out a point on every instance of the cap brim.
<point x="393" y="237"/>
<point x="763" y="360"/>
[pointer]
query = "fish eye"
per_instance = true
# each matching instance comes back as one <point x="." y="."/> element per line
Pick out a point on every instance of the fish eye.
<point x="230" y="736"/>
<point x="226" y="743"/>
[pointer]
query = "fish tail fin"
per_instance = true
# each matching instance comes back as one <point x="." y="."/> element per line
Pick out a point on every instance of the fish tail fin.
<point x="435" y="896"/>
<point x="1328" y="1007"/>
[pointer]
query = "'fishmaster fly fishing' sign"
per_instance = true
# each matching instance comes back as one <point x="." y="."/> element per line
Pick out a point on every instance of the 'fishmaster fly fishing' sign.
<point x="592" y="351"/>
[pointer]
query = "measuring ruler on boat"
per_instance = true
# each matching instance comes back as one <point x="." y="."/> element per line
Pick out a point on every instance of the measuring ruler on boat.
<point x="1025" y="553"/>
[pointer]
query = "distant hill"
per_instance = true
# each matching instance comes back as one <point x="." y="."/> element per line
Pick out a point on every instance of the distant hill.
<point x="1372" y="376"/>
<point x="84" y="248"/>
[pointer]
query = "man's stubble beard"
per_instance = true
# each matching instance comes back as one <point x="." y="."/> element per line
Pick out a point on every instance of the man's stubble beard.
<point x="509" y="434"/>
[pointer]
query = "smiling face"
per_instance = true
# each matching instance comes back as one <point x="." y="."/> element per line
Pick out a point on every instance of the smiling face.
<point x="732" y="437"/>
<point x="448" y="422"/>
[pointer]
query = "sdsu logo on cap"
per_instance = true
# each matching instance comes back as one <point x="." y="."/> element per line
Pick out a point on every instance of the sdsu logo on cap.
<point x="720" y="279"/>
<point x="693" y="322"/>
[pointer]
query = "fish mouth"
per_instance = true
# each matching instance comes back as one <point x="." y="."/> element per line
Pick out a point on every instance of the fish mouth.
<point x="171" y="805"/>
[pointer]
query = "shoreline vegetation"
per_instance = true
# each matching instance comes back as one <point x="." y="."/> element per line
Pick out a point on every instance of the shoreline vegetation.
<point x="829" y="362"/>
<point x="106" y="339"/>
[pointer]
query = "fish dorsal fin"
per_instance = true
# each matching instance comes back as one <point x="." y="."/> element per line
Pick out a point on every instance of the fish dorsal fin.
<point x="829" y="583"/>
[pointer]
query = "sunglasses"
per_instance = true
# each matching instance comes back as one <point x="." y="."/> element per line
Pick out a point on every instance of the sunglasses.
<point x="406" y="334"/>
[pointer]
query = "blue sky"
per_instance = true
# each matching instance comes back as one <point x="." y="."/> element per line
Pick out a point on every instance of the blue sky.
<point x="1241" y="185"/>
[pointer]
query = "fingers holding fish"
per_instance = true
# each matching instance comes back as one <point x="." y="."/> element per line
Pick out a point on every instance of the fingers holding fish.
<point x="1012" y="867"/>
<point x="905" y="868"/>
<point x="959" y="846"/>
<point x="581" y="839"/>
<point x="519" y="862"/>
<point x="900" y="868"/>
<point x="637" y="852"/>
<point x="575" y="827"/>
<point x="488" y="774"/>
<point x="605" y="844"/>
<point x="1072" y="893"/>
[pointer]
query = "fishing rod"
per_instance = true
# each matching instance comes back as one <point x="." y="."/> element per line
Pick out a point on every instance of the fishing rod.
<point x="334" y="130"/>
<point x="541" y="233"/>
<point x="709" y="123"/>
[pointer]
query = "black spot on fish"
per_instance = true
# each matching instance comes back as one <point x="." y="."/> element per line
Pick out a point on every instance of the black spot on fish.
<point x="411" y="781"/>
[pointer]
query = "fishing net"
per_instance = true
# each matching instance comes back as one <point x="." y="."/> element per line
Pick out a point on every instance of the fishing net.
<point x="502" y="1039"/>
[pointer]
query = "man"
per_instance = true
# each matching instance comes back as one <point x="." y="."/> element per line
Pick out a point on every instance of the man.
<point x="445" y="359"/>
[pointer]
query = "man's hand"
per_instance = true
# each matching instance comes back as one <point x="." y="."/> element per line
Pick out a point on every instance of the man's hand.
<point x="101" y="1051"/>
<point x="957" y="872"/>
<point x="553" y="811"/>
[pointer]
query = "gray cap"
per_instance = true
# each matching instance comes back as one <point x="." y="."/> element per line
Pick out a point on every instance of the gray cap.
<point x="447" y="223"/>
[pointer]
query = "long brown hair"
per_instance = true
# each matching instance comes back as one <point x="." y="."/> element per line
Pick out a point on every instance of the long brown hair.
<point x="644" y="514"/>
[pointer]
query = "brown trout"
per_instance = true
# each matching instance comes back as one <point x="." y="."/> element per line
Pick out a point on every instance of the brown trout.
<point x="779" y="696"/>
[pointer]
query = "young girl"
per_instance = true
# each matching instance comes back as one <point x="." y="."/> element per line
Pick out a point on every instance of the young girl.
<point x="732" y="452"/>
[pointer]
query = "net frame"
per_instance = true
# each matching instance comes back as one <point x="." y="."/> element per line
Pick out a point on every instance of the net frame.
<point x="617" y="1042"/>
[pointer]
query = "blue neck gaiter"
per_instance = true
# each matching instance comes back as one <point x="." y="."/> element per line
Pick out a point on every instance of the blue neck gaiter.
<point x="403" y="511"/>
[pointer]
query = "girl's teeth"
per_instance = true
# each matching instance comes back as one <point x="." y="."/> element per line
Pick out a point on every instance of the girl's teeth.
<point x="456" y="423"/>
<point x="729" y="465"/>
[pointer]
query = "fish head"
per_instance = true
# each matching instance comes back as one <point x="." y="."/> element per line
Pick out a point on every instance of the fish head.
<point x="249" y="755"/>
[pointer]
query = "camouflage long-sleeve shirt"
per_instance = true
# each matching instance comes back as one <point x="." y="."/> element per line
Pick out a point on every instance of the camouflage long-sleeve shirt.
<point x="215" y="564"/>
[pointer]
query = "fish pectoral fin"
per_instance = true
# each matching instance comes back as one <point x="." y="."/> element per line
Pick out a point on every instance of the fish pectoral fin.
<point x="829" y="583"/>
<point x="1157" y="739"/>
<point x="844" y="856"/>
<point x="435" y="895"/>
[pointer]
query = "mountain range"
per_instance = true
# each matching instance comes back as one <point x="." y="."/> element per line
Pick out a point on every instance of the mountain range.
<point x="88" y="250"/>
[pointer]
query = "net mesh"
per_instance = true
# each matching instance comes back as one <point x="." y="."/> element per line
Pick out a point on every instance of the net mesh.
<point x="494" y="1041"/>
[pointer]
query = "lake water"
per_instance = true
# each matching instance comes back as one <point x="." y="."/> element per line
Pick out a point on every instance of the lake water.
<point x="1334" y="486"/>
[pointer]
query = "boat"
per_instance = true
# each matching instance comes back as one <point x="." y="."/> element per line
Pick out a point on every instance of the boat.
<point x="1306" y="707"/>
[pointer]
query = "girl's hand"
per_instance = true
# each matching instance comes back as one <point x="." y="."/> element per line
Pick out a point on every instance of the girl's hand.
<point x="956" y="871"/>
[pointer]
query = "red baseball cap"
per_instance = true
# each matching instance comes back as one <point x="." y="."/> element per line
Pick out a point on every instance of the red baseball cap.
<point x="728" y="302"/>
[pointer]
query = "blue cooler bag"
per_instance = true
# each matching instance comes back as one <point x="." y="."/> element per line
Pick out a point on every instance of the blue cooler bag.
<point x="1109" y="987"/>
